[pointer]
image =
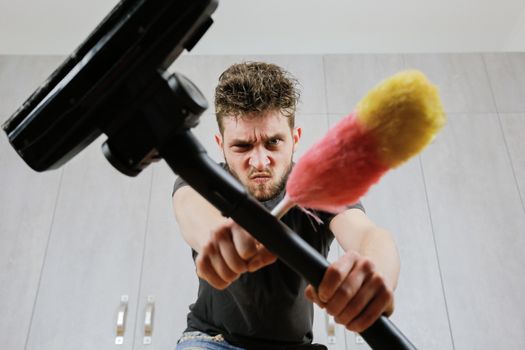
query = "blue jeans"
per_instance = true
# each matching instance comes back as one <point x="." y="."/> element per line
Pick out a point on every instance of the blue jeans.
<point x="203" y="341"/>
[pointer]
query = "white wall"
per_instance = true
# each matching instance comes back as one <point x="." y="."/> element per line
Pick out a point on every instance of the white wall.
<point x="291" y="26"/>
<point x="516" y="39"/>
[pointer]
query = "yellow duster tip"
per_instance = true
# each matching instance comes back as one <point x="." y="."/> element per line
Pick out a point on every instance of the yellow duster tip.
<point x="403" y="113"/>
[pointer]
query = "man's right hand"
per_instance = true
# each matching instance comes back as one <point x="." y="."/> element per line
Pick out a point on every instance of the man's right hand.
<point x="229" y="252"/>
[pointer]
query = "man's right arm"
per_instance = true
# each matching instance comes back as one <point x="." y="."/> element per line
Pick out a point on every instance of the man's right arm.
<point x="225" y="250"/>
<point x="196" y="217"/>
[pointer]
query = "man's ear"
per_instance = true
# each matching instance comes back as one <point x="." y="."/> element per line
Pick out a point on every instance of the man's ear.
<point x="218" y="140"/>
<point x="296" y="136"/>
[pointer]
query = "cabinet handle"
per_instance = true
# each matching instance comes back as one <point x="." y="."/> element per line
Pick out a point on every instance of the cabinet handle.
<point x="330" y="328"/>
<point x="148" y="320"/>
<point x="121" y="319"/>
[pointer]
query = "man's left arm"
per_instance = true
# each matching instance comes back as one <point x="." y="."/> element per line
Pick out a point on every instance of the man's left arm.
<point x="359" y="287"/>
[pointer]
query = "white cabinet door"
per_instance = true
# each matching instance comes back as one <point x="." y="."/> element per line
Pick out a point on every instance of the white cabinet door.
<point x="397" y="203"/>
<point x="168" y="272"/>
<point x="27" y="204"/>
<point x="479" y="223"/>
<point x="94" y="256"/>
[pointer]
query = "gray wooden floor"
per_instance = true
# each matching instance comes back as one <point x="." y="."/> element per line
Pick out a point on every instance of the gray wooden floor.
<point x="74" y="240"/>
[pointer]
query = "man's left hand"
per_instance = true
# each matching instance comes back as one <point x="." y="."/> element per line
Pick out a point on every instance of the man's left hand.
<point x="354" y="292"/>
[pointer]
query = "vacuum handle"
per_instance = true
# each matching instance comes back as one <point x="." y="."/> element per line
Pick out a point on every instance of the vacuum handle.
<point x="384" y="334"/>
<point x="189" y="160"/>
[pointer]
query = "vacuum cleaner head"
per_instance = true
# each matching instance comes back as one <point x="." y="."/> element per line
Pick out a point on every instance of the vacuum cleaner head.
<point x="102" y="86"/>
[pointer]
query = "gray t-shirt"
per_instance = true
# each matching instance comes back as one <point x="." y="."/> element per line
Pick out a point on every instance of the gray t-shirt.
<point x="265" y="309"/>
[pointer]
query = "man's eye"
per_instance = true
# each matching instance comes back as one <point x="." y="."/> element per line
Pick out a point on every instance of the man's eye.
<point x="241" y="146"/>
<point x="273" y="142"/>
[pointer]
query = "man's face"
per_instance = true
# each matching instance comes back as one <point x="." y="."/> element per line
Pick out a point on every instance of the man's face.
<point x="258" y="151"/>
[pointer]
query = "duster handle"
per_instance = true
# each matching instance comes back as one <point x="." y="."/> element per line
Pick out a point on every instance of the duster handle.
<point x="189" y="160"/>
<point x="282" y="207"/>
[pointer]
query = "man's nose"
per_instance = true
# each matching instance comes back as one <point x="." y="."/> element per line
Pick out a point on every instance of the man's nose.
<point x="259" y="159"/>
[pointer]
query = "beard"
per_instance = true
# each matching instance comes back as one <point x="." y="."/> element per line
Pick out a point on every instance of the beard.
<point x="264" y="192"/>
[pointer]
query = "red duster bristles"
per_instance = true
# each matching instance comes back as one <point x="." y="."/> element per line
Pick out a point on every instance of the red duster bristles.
<point x="322" y="180"/>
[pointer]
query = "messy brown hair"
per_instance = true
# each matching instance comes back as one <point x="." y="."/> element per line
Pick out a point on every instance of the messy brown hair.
<point x="250" y="88"/>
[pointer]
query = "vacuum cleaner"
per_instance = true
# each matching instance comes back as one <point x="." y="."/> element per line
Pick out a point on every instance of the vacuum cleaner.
<point x="116" y="83"/>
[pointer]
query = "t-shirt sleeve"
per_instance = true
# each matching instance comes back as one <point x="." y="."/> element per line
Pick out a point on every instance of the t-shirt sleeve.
<point x="179" y="182"/>
<point x="327" y="217"/>
<point x="357" y="205"/>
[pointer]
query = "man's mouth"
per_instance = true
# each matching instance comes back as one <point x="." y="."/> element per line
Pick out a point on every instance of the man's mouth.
<point x="260" y="178"/>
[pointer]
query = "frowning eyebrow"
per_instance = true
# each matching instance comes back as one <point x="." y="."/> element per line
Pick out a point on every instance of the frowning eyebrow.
<point x="239" y="141"/>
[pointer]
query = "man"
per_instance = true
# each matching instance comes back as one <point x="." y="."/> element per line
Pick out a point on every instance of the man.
<point x="247" y="298"/>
